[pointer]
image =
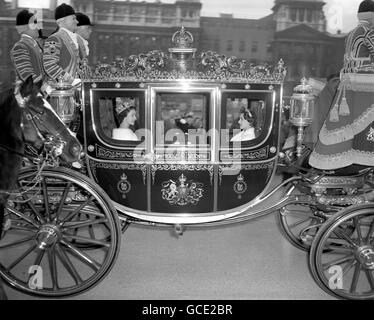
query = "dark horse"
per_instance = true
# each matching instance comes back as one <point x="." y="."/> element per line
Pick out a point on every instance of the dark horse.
<point x="25" y="119"/>
<point x="12" y="144"/>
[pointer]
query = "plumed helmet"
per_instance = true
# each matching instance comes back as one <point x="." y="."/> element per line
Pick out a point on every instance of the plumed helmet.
<point x="63" y="10"/>
<point x="366" y="6"/>
<point x="23" y="17"/>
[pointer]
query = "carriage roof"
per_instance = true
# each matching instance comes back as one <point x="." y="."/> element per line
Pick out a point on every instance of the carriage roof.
<point x="183" y="63"/>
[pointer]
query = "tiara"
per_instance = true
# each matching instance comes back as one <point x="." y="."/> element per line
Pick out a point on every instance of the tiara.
<point x="246" y="110"/>
<point x="125" y="104"/>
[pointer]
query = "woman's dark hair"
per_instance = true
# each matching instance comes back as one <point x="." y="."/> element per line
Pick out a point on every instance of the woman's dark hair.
<point x="249" y="116"/>
<point x="123" y="114"/>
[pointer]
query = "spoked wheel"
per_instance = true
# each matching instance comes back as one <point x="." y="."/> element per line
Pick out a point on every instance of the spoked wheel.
<point x="299" y="220"/>
<point x="61" y="236"/>
<point x="341" y="259"/>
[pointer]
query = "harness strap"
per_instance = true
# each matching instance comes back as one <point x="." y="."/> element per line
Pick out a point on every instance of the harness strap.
<point x="20" y="154"/>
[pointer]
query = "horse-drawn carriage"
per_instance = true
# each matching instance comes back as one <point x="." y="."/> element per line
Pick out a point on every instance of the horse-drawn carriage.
<point x="183" y="169"/>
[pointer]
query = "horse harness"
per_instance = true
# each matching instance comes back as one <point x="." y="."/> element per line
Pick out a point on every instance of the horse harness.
<point x="30" y="115"/>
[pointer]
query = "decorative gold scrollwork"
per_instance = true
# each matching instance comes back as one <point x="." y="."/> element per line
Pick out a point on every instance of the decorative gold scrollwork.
<point x="208" y="65"/>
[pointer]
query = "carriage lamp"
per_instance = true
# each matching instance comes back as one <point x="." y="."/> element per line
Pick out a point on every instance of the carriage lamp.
<point x="301" y="111"/>
<point x="63" y="101"/>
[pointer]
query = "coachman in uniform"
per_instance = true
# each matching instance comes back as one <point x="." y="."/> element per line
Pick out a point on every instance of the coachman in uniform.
<point x="83" y="32"/>
<point x="26" y="54"/>
<point x="61" y="50"/>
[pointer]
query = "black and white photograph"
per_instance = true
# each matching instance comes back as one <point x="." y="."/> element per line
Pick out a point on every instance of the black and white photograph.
<point x="186" y="155"/>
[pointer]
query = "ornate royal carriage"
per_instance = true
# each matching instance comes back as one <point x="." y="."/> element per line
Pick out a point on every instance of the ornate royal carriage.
<point x="178" y="177"/>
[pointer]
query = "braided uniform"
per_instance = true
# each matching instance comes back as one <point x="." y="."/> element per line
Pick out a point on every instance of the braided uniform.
<point x="347" y="135"/>
<point x="26" y="56"/>
<point x="61" y="56"/>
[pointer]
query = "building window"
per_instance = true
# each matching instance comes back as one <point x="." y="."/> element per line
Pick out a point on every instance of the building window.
<point x="152" y="12"/>
<point x="301" y="14"/>
<point x="309" y="15"/>
<point x="168" y="12"/>
<point x="293" y="14"/>
<point x="242" y="46"/>
<point x="103" y="13"/>
<point x="151" y="20"/>
<point x="229" y="45"/>
<point x="254" y="46"/>
<point x="136" y="10"/>
<point x="187" y="13"/>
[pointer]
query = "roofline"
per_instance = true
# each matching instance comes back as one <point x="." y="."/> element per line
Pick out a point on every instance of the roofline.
<point x="277" y="4"/>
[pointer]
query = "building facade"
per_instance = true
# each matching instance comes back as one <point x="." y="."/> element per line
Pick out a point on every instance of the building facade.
<point x="291" y="13"/>
<point x="295" y="32"/>
<point x="248" y="39"/>
<point x="123" y="28"/>
<point x="301" y="40"/>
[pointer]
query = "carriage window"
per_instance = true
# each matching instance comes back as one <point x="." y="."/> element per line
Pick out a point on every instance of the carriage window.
<point x="182" y="118"/>
<point x="119" y="117"/>
<point x="243" y="118"/>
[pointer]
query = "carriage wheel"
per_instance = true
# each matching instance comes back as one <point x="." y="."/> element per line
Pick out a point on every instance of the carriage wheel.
<point x="341" y="259"/>
<point x="62" y="234"/>
<point x="299" y="221"/>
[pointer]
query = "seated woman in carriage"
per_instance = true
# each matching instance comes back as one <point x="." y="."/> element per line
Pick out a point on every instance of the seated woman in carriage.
<point x="247" y="122"/>
<point x="347" y="134"/>
<point x="126" y="115"/>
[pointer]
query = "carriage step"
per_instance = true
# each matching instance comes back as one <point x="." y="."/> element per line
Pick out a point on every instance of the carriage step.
<point x="179" y="229"/>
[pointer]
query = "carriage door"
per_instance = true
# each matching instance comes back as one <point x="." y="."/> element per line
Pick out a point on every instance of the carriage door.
<point x="113" y="150"/>
<point x="181" y="152"/>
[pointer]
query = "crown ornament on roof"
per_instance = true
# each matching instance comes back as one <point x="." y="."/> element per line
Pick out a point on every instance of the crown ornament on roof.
<point x="182" y="39"/>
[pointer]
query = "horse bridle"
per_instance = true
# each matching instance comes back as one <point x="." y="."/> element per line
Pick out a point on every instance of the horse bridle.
<point x="22" y="102"/>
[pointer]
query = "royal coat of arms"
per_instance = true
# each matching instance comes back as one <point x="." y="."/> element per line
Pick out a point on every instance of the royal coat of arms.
<point x="182" y="192"/>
